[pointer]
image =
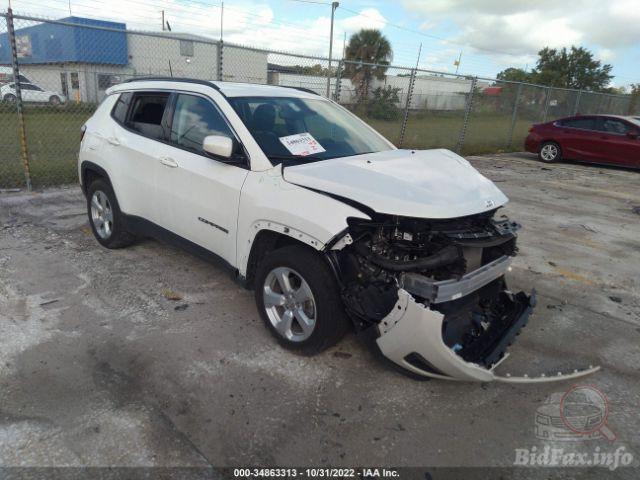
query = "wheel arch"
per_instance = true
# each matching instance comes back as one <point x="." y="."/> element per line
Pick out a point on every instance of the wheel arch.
<point x="270" y="236"/>
<point x="90" y="172"/>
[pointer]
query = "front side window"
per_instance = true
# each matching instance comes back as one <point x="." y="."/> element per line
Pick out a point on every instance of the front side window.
<point x="611" y="125"/>
<point x="195" y="118"/>
<point x="283" y="126"/>
<point x="147" y="110"/>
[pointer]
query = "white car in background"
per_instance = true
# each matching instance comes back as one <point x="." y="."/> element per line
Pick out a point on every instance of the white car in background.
<point x="30" y="93"/>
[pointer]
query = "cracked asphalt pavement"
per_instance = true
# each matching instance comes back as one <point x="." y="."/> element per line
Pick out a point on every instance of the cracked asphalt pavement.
<point x="148" y="356"/>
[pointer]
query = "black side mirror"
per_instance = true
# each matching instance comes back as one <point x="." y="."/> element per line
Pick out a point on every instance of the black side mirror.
<point x="633" y="135"/>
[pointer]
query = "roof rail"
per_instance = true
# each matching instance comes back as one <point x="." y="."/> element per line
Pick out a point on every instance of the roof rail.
<point x="302" y="89"/>
<point x="209" y="83"/>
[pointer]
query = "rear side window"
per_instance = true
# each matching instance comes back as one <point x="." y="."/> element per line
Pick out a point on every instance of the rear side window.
<point x="120" y="109"/>
<point x="584" y="123"/>
<point x="195" y="118"/>
<point x="145" y="115"/>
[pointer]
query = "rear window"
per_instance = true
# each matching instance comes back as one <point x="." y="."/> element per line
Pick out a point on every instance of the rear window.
<point x="146" y="112"/>
<point x="120" y="109"/>
<point x="585" y="123"/>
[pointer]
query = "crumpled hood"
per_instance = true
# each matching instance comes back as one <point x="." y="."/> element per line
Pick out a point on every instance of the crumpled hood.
<point x="412" y="183"/>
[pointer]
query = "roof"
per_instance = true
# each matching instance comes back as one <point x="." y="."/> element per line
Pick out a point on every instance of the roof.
<point x="229" y="89"/>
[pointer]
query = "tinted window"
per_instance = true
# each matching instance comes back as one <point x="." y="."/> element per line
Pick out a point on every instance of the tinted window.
<point x="612" y="125"/>
<point x="119" y="112"/>
<point x="195" y="118"/>
<point x="585" y="123"/>
<point x="28" y="86"/>
<point x="146" y="113"/>
<point x="186" y="48"/>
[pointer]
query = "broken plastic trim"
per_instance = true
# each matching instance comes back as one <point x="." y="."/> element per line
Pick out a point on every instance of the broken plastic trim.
<point x="411" y="335"/>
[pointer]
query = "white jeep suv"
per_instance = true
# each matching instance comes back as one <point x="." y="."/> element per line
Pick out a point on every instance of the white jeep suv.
<point x="329" y="223"/>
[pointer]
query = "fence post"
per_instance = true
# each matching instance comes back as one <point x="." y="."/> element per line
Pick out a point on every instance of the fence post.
<point x="220" y="62"/>
<point x="22" y="133"/>
<point x="467" y="114"/>
<point x="412" y="80"/>
<point x="546" y="105"/>
<point x="336" y="93"/>
<point x="514" y="115"/>
<point x="575" y="108"/>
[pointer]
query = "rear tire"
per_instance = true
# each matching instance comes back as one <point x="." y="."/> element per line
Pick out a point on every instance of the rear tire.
<point x="54" y="100"/>
<point x="105" y="217"/>
<point x="550" y="152"/>
<point x="312" y="297"/>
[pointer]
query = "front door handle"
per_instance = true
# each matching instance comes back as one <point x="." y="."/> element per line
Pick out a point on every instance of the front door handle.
<point x="169" y="162"/>
<point x="113" y="141"/>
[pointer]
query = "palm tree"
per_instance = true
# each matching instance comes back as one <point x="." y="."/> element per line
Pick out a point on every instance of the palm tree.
<point x="367" y="55"/>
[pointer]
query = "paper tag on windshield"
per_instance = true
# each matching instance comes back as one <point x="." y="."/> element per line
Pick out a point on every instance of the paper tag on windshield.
<point x="302" y="144"/>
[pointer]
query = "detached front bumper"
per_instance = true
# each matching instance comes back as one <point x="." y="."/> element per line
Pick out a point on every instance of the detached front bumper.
<point x="412" y="337"/>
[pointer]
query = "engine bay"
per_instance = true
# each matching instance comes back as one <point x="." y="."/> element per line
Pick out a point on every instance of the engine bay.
<point x="455" y="267"/>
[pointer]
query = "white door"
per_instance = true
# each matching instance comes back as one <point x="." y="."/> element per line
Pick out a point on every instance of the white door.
<point x="199" y="195"/>
<point x="29" y="92"/>
<point x="131" y="141"/>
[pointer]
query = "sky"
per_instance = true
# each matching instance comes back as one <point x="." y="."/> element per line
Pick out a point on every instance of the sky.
<point x="490" y="34"/>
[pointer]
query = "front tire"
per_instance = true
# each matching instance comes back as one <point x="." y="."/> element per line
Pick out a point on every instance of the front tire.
<point x="10" y="98"/>
<point x="298" y="298"/>
<point x="54" y="100"/>
<point x="550" y="152"/>
<point x="105" y="217"/>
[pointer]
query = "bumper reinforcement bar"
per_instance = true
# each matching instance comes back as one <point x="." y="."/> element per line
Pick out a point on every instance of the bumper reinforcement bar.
<point x="447" y="290"/>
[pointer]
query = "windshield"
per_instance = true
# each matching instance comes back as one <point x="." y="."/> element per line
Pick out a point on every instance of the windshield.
<point x="298" y="130"/>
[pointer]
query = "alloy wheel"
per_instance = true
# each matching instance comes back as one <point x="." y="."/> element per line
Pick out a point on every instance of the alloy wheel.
<point x="289" y="304"/>
<point x="102" y="214"/>
<point x="549" y="152"/>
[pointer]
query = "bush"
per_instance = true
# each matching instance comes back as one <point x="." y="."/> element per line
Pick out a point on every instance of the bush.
<point x="383" y="105"/>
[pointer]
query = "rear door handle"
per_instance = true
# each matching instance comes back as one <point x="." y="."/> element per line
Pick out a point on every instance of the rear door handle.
<point x="169" y="162"/>
<point x="113" y="141"/>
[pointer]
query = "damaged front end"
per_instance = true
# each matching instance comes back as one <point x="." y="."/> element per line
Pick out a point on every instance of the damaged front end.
<point x="433" y="292"/>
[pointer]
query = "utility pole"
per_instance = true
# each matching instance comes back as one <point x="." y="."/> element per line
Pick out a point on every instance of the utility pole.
<point x="457" y="62"/>
<point x="221" y="20"/>
<point x="334" y="5"/>
<point x="162" y="11"/>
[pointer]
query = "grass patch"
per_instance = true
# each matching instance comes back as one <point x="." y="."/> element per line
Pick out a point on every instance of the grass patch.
<point x="53" y="136"/>
<point x="53" y="139"/>
<point x="486" y="133"/>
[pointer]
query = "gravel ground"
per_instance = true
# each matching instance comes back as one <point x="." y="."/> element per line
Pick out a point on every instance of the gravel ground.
<point x="99" y="368"/>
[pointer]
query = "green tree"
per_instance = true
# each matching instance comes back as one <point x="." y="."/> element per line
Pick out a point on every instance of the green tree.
<point x="573" y="68"/>
<point x="384" y="104"/>
<point x="512" y="74"/>
<point x="368" y="46"/>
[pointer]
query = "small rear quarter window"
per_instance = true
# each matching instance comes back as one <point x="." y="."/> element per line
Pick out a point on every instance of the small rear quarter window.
<point x="119" y="112"/>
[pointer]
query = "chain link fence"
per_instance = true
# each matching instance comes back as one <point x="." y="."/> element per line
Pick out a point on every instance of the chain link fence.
<point x="64" y="68"/>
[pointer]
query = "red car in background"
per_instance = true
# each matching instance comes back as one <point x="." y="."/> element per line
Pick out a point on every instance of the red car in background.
<point x="607" y="139"/>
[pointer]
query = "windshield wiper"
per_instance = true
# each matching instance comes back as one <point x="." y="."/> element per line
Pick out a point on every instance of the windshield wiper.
<point x="298" y="158"/>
